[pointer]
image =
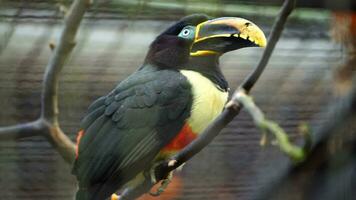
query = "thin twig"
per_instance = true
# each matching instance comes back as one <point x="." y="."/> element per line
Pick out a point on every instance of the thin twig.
<point x="47" y="125"/>
<point x="325" y="163"/>
<point x="294" y="152"/>
<point x="224" y="118"/>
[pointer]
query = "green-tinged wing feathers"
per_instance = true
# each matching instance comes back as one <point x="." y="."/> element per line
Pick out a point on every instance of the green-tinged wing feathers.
<point x="127" y="128"/>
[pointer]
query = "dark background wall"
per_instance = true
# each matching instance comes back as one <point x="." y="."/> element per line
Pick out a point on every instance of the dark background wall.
<point x="295" y="88"/>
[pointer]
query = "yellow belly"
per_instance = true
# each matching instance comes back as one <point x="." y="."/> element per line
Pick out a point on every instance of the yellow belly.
<point x="208" y="101"/>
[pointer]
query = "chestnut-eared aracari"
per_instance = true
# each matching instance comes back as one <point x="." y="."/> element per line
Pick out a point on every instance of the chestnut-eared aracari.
<point x="160" y="108"/>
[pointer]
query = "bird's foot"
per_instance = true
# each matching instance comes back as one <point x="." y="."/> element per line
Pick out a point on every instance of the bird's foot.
<point x="115" y="197"/>
<point x="163" y="186"/>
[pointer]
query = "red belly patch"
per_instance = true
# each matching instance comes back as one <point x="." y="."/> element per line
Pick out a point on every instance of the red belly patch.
<point x="184" y="137"/>
<point x="79" y="136"/>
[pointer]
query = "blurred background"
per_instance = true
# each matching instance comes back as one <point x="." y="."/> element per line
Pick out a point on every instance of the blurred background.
<point x="312" y="64"/>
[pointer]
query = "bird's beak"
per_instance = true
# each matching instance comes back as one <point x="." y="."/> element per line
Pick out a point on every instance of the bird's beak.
<point x="226" y="34"/>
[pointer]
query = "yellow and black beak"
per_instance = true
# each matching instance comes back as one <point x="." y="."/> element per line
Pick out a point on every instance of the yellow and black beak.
<point x="221" y="35"/>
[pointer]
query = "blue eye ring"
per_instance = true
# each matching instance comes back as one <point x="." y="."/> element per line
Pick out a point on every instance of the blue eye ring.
<point x="185" y="32"/>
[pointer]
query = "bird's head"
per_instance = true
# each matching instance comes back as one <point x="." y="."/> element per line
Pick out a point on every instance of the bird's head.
<point x="197" y="35"/>
<point x="168" y="50"/>
<point x="220" y="35"/>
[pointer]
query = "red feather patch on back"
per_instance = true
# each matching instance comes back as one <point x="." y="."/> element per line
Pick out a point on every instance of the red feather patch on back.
<point x="184" y="137"/>
<point x="79" y="136"/>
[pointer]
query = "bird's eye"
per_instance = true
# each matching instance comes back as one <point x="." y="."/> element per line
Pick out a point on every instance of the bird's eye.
<point x="185" y="32"/>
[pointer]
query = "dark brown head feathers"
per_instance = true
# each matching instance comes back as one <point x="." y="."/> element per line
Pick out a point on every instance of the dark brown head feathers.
<point x="170" y="51"/>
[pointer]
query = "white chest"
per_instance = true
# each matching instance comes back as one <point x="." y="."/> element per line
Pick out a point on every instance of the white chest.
<point x="208" y="101"/>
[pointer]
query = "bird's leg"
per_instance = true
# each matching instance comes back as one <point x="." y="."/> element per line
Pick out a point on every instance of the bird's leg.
<point x="163" y="186"/>
<point x="165" y="182"/>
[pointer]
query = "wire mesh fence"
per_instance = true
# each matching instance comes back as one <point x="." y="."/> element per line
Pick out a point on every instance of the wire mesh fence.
<point x="111" y="44"/>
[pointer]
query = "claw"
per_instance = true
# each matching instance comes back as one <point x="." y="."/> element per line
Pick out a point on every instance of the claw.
<point x="153" y="175"/>
<point x="163" y="186"/>
<point x="172" y="163"/>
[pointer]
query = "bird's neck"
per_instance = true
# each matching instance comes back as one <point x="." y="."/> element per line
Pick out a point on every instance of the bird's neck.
<point x="208" y="66"/>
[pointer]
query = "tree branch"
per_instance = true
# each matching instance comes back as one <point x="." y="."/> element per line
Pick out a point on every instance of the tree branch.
<point x="294" y="152"/>
<point x="49" y="103"/>
<point x="47" y="125"/>
<point x="276" y="32"/>
<point x="232" y="109"/>
<point x="21" y="130"/>
<point x="333" y="152"/>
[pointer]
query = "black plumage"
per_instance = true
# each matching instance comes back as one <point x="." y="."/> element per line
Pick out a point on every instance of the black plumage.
<point x="109" y="153"/>
<point x="157" y="106"/>
<point x="125" y="130"/>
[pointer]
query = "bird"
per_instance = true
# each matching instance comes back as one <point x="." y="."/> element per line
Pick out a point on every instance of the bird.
<point x="160" y="108"/>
